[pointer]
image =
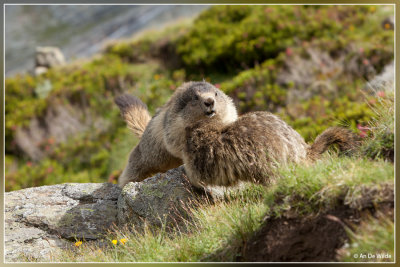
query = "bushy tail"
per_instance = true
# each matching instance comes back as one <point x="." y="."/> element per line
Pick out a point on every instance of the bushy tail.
<point x="134" y="112"/>
<point x="346" y="140"/>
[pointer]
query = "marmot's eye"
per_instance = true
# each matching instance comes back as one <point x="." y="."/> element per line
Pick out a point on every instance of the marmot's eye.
<point x="216" y="93"/>
<point x="196" y="97"/>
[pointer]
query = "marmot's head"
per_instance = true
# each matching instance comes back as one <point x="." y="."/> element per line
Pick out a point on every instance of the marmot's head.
<point x="200" y="100"/>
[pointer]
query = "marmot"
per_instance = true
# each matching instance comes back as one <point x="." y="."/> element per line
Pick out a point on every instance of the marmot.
<point x="251" y="148"/>
<point x="163" y="136"/>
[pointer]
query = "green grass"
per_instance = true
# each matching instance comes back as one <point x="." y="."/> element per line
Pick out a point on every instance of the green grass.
<point x="305" y="189"/>
<point x="374" y="238"/>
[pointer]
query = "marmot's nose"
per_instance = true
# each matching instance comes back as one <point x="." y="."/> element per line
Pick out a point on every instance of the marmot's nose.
<point x="209" y="102"/>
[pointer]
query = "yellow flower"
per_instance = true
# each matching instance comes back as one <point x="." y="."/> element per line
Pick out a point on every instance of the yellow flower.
<point x="372" y="9"/>
<point x="77" y="244"/>
<point x="114" y="242"/>
<point x="123" y="241"/>
<point x="351" y="28"/>
<point x="387" y="26"/>
<point x="156" y="77"/>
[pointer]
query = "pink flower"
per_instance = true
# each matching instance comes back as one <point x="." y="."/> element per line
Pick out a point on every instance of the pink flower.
<point x="217" y="85"/>
<point x="365" y="62"/>
<point x="363" y="130"/>
<point x="289" y="51"/>
<point x="29" y="164"/>
<point x="363" y="134"/>
<point x="380" y="93"/>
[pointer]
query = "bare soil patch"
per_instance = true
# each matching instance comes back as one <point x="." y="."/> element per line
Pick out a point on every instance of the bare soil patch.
<point x="309" y="239"/>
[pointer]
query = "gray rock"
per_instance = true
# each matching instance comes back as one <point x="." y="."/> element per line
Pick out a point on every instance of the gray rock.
<point x="49" y="57"/>
<point x="40" y="220"/>
<point x="383" y="81"/>
<point x="155" y="199"/>
<point x="39" y="70"/>
<point x="58" y="122"/>
<point x="164" y="198"/>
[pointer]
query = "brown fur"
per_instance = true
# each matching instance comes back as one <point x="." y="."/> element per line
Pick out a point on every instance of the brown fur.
<point x="250" y="149"/>
<point x="163" y="138"/>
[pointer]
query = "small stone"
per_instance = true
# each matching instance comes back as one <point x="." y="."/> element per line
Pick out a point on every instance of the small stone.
<point x="48" y="57"/>
<point x="40" y="70"/>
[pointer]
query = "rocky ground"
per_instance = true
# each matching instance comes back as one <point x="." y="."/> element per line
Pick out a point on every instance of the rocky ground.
<point x="41" y="220"/>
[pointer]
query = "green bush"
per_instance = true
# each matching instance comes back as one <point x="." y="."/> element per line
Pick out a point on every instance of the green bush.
<point x="257" y="89"/>
<point x="228" y="38"/>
